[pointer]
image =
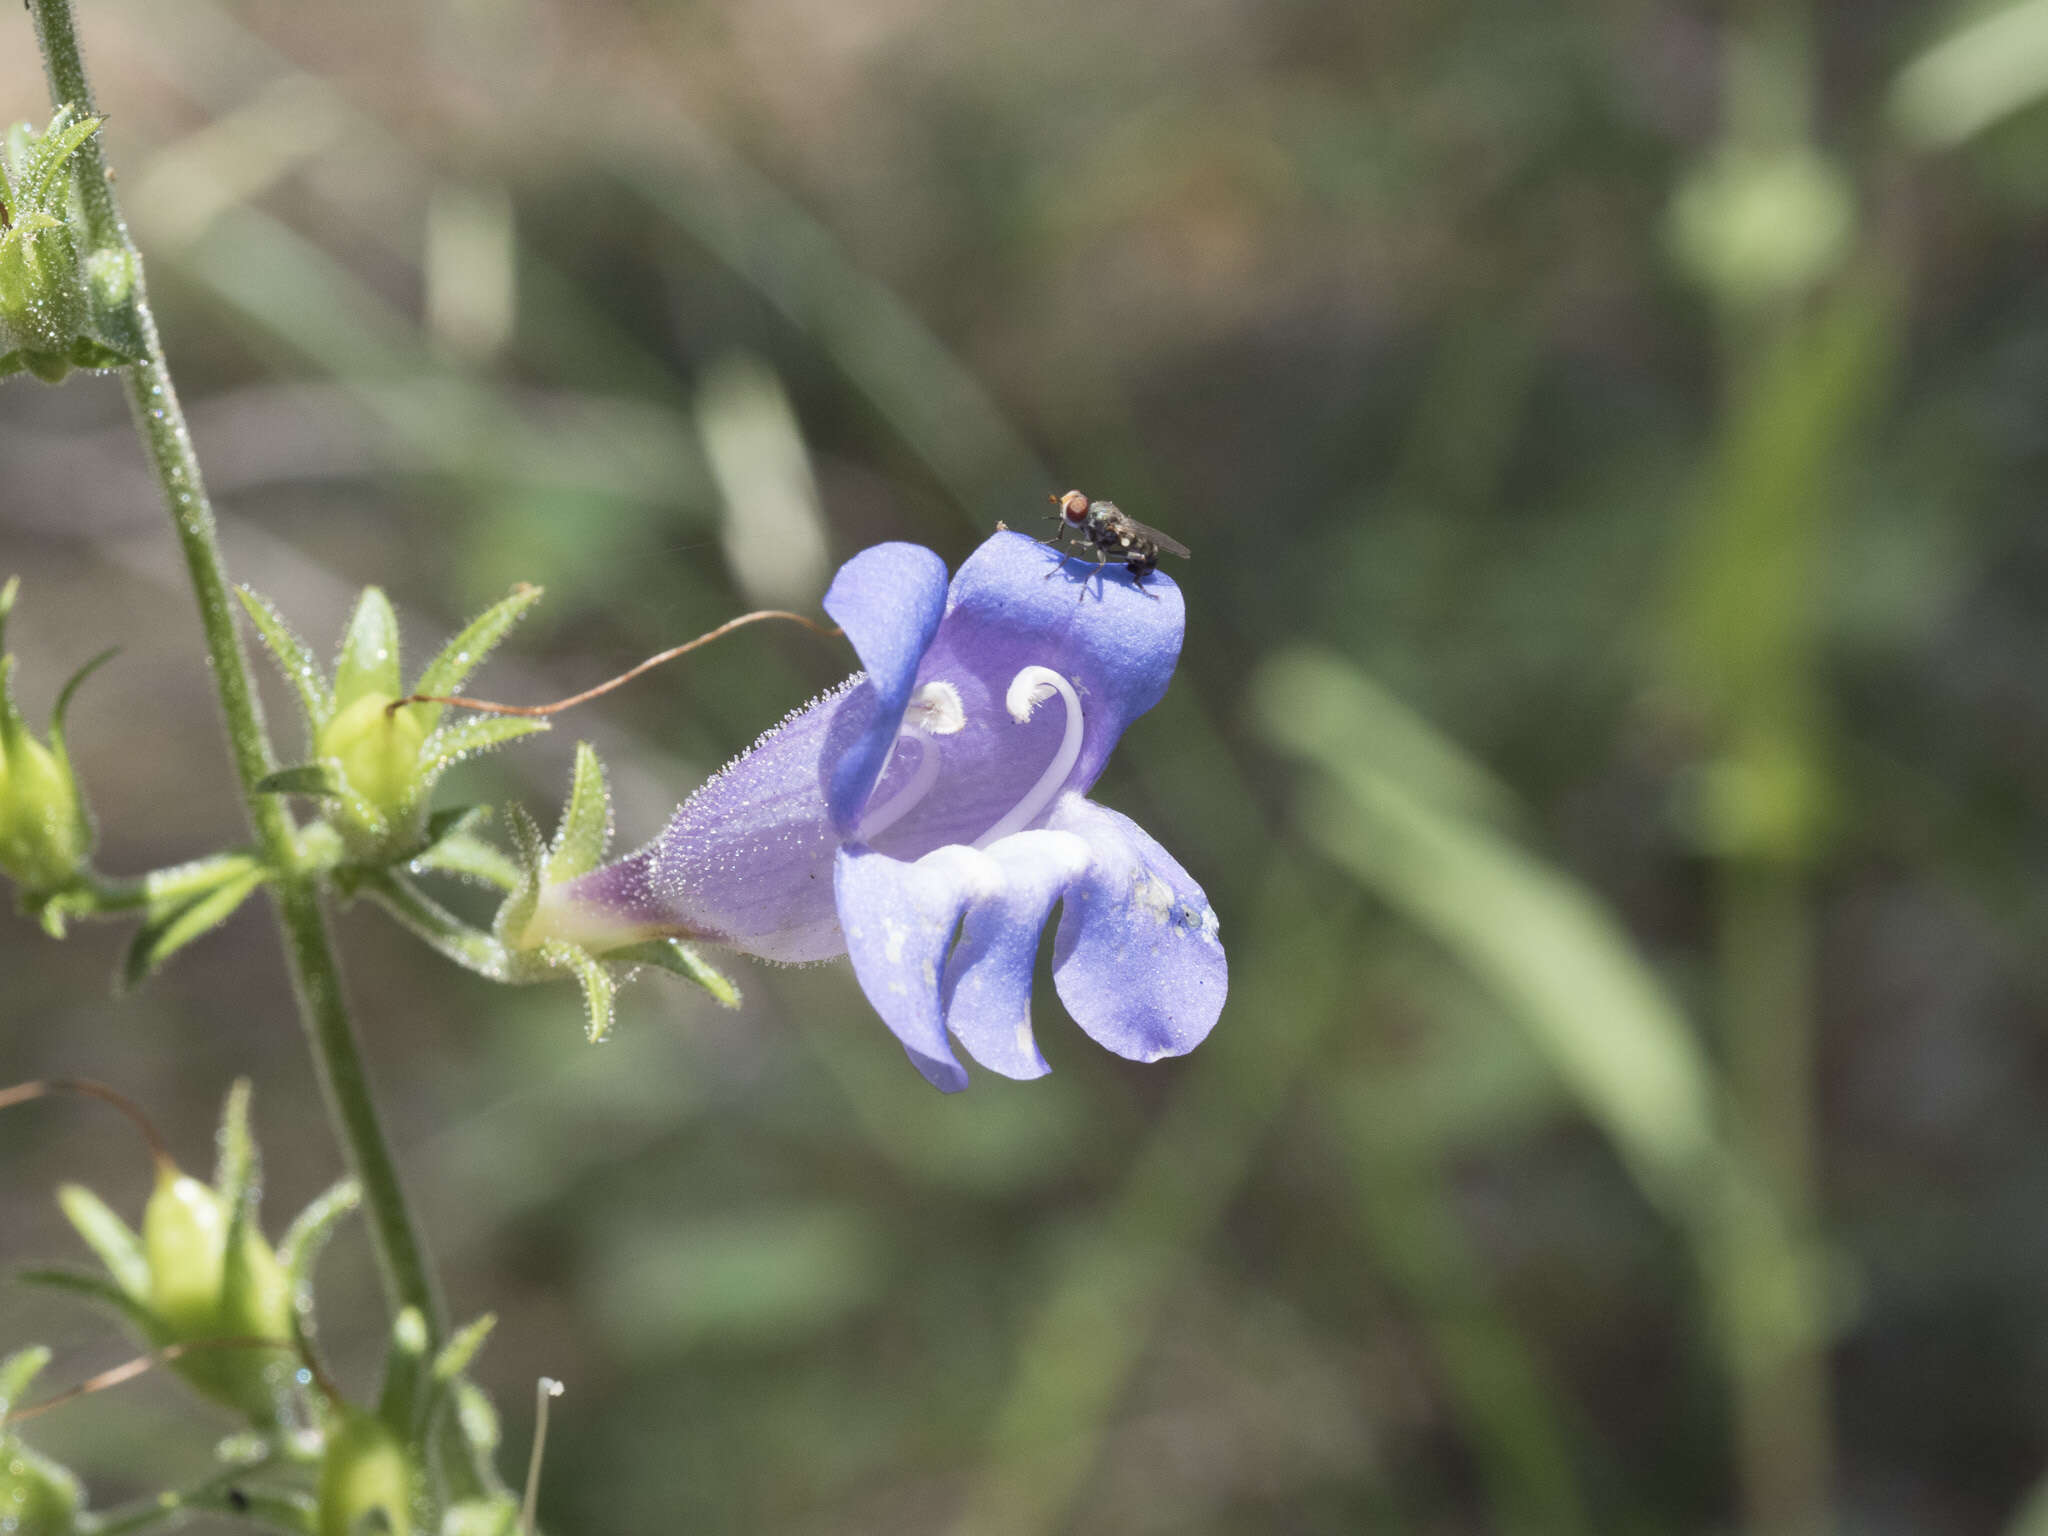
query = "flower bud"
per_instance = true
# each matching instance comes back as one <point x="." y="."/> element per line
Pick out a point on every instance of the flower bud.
<point x="45" y="833"/>
<point x="365" y="1472"/>
<point x="63" y="303"/>
<point x="202" y="1288"/>
<point x="378" y="749"/>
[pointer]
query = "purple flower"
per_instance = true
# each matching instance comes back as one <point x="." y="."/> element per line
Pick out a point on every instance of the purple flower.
<point x="925" y="816"/>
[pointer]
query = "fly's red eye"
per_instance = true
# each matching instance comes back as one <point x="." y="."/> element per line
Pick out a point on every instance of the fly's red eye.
<point x="1074" y="507"/>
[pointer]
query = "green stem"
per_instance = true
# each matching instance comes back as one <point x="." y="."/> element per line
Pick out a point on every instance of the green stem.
<point x="315" y="973"/>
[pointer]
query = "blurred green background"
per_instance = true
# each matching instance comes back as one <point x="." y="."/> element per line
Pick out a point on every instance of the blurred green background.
<point x="1613" y="731"/>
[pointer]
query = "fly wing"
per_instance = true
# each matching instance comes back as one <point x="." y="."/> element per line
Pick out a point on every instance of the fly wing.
<point x="1165" y="544"/>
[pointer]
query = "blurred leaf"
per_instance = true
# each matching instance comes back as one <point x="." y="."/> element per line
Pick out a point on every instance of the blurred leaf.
<point x="18" y="1372"/>
<point x="1558" y="962"/>
<point x="1990" y="67"/>
<point x="456" y="1355"/>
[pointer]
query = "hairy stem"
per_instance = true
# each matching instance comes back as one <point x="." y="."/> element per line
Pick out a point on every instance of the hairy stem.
<point x="315" y="974"/>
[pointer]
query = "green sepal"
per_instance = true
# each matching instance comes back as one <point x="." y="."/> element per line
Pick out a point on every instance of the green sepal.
<point x="369" y="660"/>
<point x="294" y="658"/>
<point x="163" y="936"/>
<point x="600" y="986"/>
<point x="319" y="779"/>
<point x="108" y="1236"/>
<point x="518" y="908"/>
<point x="467" y="857"/>
<point x="299" y="1252"/>
<point x="461" y="656"/>
<point x="585" y="831"/>
<point x="450" y="744"/>
<point x="97" y="1289"/>
<point x="679" y="959"/>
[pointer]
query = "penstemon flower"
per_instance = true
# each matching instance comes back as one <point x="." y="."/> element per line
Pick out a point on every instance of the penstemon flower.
<point x="925" y="816"/>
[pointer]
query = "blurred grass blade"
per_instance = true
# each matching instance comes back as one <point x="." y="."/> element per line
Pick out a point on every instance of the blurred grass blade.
<point x="1983" y="72"/>
<point x="1554" y="958"/>
<point x="1085" y="1337"/>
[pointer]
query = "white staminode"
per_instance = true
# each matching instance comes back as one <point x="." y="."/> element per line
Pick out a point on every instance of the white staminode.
<point x="1028" y="689"/>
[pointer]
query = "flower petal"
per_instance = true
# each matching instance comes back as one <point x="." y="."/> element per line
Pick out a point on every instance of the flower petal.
<point x="889" y="600"/>
<point x="1015" y="603"/>
<point x="746" y="860"/>
<point x="899" y="921"/>
<point x="1137" y="960"/>
<point x="987" y="984"/>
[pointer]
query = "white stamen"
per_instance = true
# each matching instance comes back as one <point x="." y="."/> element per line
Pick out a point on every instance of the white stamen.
<point x="899" y="805"/>
<point x="1028" y="689"/>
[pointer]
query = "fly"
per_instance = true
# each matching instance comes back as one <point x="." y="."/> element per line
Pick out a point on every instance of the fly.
<point x="1112" y="533"/>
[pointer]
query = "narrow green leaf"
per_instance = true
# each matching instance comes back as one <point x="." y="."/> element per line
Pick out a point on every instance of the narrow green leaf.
<point x="108" y="1236"/>
<point x="447" y="672"/>
<point x="586" y="828"/>
<point x="600" y="987"/>
<point x="294" y="658"/>
<point x="678" y="958"/>
<point x="158" y="940"/>
<point x="459" y="1351"/>
<point x="368" y="662"/>
<point x="97" y="1289"/>
<point x="302" y="779"/>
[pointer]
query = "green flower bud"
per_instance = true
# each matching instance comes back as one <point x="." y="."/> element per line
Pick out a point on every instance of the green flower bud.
<point x="365" y="1474"/>
<point x="200" y="1288"/>
<point x="378" y="748"/>
<point x="45" y="833"/>
<point x="63" y="304"/>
